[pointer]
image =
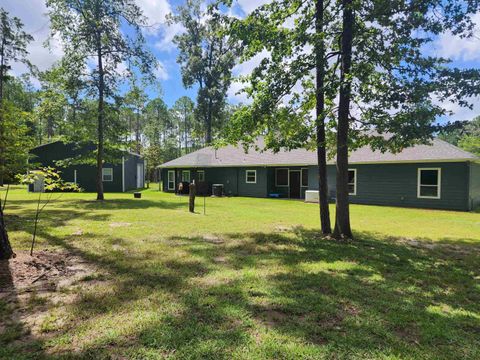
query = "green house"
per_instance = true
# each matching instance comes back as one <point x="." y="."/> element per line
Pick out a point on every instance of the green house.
<point x="125" y="172"/>
<point x="439" y="175"/>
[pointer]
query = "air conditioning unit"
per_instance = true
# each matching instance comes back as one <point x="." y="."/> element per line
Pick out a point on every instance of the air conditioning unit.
<point x="312" y="196"/>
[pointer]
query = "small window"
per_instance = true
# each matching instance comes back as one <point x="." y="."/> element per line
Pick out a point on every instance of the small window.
<point x="186" y="176"/>
<point x="281" y="177"/>
<point x="107" y="174"/>
<point x="251" y="176"/>
<point x="201" y="175"/>
<point x="429" y="181"/>
<point x="305" y="177"/>
<point x="171" y="180"/>
<point x="352" y="182"/>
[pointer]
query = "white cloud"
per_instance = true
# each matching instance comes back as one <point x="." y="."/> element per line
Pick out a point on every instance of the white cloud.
<point x="456" y="48"/>
<point x="33" y="15"/>
<point x="156" y="12"/>
<point x="244" y="69"/>
<point x="161" y="71"/>
<point x="168" y="32"/>
<point x="459" y="112"/>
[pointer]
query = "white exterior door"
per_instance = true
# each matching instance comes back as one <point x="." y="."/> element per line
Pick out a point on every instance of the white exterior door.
<point x="140" y="177"/>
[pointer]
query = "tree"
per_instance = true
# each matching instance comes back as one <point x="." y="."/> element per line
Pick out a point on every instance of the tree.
<point x="292" y="89"/>
<point x="6" y="251"/>
<point x="342" y="214"/>
<point x="135" y="100"/>
<point x="183" y="111"/>
<point x="465" y="134"/>
<point x="92" y="29"/>
<point x="375" y="63"/>
<point x="13" y="48"/>
<point x="206" y="58"/>
<point x="52" y="105"/>
<point x="388" y="81"/>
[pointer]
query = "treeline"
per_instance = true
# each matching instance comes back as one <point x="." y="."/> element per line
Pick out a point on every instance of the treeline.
<point x="101" y="90"/>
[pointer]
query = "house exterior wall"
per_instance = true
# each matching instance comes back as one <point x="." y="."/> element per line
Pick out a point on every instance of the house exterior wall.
<point x="376" y="184"/>
<point x="396" y="185"/>
<point x="474" y="189"/>
<point x="131" y="162"/>
<point x="49" y="154"/>
<point x="232" y="178"/>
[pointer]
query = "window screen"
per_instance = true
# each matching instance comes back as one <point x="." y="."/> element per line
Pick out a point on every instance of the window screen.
<point x="352" y="182"/>
<point x="107" y="174"/>
<point x="429" y="183"/>
<point x="251" y="176"/>
<point x="186" y="175"/>
<point x="305" y="177"/>
<point x="281" y="177"/>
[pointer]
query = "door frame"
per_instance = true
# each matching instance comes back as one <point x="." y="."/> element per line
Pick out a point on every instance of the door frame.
<point x="299" y="183"/>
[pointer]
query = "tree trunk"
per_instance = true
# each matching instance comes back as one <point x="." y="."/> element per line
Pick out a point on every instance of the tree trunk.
<point x="101" y="89"/>
<point x="208" y="124"/>
<point x="137" y="133"/>
<point x="320" y="121"/>
<point x="5" y="248"/>
<point x="342" y="219"/>
<point x="50" y="127"/>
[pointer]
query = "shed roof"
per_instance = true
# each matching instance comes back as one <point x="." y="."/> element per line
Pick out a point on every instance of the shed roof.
<point x="230" y="156"/>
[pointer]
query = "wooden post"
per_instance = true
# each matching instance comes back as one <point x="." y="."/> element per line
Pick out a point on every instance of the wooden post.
<point x="191" y="199"/>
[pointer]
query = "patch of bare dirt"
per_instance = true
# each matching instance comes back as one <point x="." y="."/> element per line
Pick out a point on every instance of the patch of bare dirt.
<point x="214" y="239"/>
<point x="44" y="271"/>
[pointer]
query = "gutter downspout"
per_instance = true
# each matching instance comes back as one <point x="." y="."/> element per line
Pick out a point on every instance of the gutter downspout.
<point x="123" y="173"/>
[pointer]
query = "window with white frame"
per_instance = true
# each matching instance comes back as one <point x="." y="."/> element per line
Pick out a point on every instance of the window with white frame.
<point x="171" y="180"/>
<point x="186" y="176"/>
<point x="352" y="181"/>
<point x="201" y="175"/>
<point x="281" y="177"/>
<point x="429" y="183"/>
<point x="107" y="174"/>
<point x="251" y="176"/>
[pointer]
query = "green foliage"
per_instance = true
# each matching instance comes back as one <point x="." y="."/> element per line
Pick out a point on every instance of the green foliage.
<point x="465" y="134"/>
<point x="17" y="139"/>
<point x="13" y="48"/>
<point x="206" y="57"/>
<point x="393" y="79"/>
<point x="52" y="180"/>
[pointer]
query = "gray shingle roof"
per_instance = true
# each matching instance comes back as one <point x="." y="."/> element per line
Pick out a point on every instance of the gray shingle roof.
<point x="227" y="156"/>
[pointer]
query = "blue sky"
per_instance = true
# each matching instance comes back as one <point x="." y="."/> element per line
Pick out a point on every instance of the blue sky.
<point x="463" y="52"/>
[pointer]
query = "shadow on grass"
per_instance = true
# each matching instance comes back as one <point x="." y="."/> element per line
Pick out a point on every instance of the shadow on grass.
<point x="113" y="204"/>
<point x="286" y="295"/>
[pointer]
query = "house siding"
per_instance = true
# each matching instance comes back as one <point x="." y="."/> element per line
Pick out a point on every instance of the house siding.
<point x="377" y="184"/>
<point x="474" y="188"/>
<point x="49" y="154"/>
<point x="396" y="185"/>
<point x="131" y="162"/>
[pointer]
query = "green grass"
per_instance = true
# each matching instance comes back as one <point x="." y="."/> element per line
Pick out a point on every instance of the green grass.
<point x="252" y="279"/>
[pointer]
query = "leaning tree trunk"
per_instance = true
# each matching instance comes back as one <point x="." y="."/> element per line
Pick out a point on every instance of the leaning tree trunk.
<point x="5" y="248"/>
<point x="320" y="120"/>
<point x="101" y="89"/>
<point x="342" y="221"/>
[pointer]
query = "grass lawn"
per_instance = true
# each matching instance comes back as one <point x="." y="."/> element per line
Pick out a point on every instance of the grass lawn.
<point x="251" y="279"/>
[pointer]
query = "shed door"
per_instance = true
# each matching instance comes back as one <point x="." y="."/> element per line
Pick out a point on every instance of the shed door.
<point x="294" y="177"/>
<point x="140" y="183"/>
